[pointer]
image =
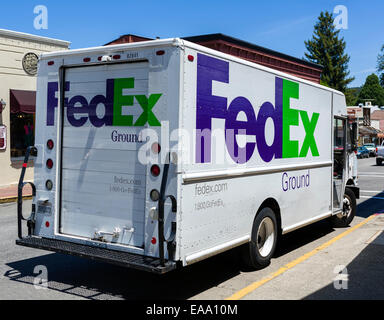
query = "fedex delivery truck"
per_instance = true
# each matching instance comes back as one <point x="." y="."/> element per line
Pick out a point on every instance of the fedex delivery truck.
<point x="160" y="154"/>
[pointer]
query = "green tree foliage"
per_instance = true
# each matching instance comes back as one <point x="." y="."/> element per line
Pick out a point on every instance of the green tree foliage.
<point x="351" y="96"/>
<point x="380" y="66"/>
<point x="327" y="49"/>
<point x="372" y="90"/>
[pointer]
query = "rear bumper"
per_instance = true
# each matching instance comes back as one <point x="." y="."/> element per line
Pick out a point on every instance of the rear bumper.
<point x="110" y="256"/>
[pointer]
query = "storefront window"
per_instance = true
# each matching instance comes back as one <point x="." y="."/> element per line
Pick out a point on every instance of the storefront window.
<point x="22" y="134"/>
<point x="22" y="127"/>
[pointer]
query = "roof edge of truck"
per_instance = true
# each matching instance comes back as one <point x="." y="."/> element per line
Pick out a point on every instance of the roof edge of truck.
<point x="142" y="44"/>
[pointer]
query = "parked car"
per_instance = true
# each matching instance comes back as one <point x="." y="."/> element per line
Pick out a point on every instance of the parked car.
<point x="371" y="148"/>
<point x="362" y="152"/>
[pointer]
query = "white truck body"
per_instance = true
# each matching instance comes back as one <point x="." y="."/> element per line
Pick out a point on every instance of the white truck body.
<point x="239" y="135"/>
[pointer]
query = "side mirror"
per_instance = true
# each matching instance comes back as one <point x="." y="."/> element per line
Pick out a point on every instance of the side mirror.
<point x="354" y="137"/>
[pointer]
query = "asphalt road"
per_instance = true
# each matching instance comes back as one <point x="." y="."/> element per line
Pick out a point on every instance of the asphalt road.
<point x="216" y="278"/>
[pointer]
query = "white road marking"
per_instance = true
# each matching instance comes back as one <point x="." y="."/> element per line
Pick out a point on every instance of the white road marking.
<point x="366" y="197"/>
<point x="371" y="175"/>
<point x="372" y="191"/>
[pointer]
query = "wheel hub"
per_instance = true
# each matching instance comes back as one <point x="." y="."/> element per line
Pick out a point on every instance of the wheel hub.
<point x="347" y="209"/>
<point x="265" y="237"/>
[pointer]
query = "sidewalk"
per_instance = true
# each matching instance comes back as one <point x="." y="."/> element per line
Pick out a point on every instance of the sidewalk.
<point x="349" y="269"/>
<point x="9" y="194"/>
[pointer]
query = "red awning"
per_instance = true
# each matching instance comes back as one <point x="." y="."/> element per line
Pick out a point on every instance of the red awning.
<point x="23" y="101"/>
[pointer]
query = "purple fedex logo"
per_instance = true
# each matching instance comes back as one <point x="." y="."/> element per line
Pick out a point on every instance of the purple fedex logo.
<point x="80" y="110"/>
<point x="210" y="107"/>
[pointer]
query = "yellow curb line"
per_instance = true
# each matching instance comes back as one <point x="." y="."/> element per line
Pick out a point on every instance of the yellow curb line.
<point x="247" y="290"/>
<point x="14" y="199"/>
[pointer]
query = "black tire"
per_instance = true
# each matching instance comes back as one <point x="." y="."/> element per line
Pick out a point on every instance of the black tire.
<point x="258" y="253"/>
<point x="349" y="211"/>
<point x="379" y="162"/>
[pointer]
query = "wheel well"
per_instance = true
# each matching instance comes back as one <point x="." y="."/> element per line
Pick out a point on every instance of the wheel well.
<point x="350" y="182"/>
<point x="272" y="203"/>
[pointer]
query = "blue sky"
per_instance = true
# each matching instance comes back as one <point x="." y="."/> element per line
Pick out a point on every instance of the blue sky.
<point x="279" y="25"/>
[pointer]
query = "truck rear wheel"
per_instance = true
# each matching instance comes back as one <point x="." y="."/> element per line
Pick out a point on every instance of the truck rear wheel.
<point x="379" y="162"/>
<point x="344" y="219"/>
<point x="258" y="253"/>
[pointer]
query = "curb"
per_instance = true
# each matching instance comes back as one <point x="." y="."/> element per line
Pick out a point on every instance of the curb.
<point x="14" y="199"/>
<point x="255" y="285"/>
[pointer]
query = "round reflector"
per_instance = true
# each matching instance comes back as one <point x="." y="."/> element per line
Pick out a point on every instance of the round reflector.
<point x="155" y="170"/>
<point x="49" y="163"/>
<point x="156" y="148"/>
<point x="49" y="185"/>
<point x="50" y="144"/>
<point x="155" y="195"/>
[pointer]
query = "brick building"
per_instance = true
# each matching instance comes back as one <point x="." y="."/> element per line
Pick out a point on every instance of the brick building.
<point x="248" y="51"/>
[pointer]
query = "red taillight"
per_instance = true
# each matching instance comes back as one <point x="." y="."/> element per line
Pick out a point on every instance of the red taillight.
<point x="49" y="163"/>
<point x="156" y="148"/>
<point x="51" y="63"/>
<point x="155" y="170"/>
<point x="153" y="241"/>
<point x="160" y="52"/>
<point x="191" y="58"/>
<point x="377" y="149"/>
<point x="47" y="224"/>
<point x="116" y="57"/>
<point x="87" y="59"/>
<point x="50" y="144"/>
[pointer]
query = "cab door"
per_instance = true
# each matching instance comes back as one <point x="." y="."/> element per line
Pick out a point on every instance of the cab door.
<point x="339" y="161"/>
